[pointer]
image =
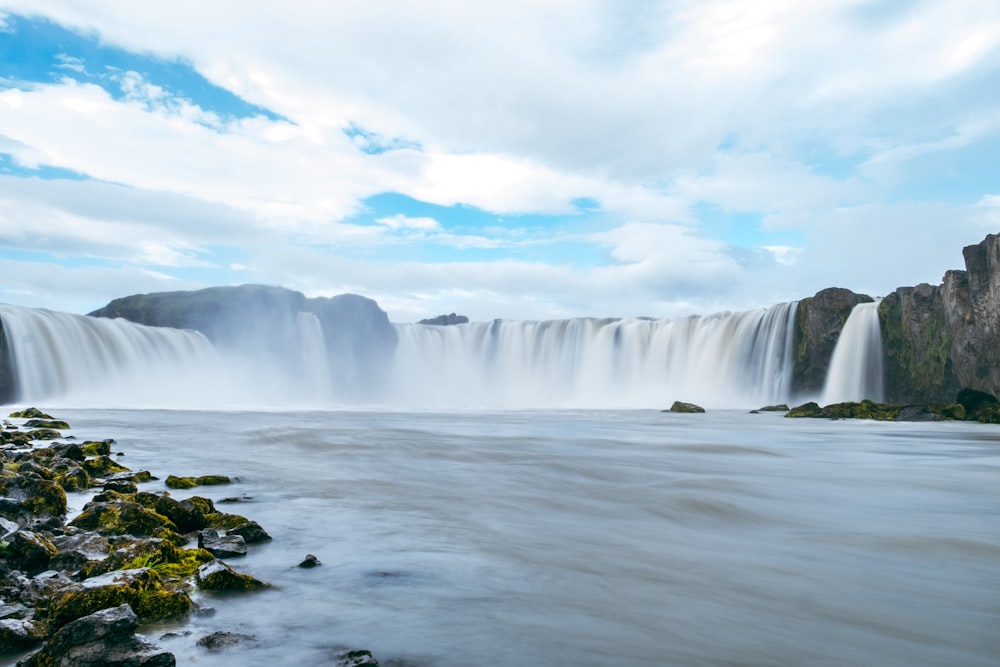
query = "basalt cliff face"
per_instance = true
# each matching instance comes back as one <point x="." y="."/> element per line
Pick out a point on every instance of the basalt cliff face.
<point x="940" y="339"/>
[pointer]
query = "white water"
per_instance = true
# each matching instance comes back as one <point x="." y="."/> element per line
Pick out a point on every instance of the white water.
<point x="89" y="361"/>
<point x="729" y="359"/>
<point x="741" y="359"/>
<point x="856" y="366"/>
<point x="591" y="538"/>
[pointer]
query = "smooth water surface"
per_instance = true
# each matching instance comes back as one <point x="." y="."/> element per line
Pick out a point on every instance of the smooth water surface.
<point x="592" y="537"/>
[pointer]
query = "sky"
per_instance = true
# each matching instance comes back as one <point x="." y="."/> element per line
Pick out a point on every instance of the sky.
<point x="525" y="159"/>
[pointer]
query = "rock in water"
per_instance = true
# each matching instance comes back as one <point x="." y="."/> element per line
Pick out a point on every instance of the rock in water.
<point x="309" y="561"/>
<point x="102" y="639"/>
<point x="680" y="406"/>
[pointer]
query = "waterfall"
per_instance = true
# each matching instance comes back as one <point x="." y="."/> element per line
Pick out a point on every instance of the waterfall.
<point x="729" y="359"/>
<point x="91" y="361"/>
<point x="856" y="366"/>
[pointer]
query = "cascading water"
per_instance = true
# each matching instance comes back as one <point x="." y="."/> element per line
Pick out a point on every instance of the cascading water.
<point x="856" y="366"/>
<point x="90" y="361"/>
<point x="730" y="359"/>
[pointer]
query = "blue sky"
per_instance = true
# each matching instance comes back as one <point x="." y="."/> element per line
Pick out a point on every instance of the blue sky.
<point x="535" y="160"/>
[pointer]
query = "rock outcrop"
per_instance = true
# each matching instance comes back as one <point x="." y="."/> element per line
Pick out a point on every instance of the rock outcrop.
<point x="259" y="319"/>
<point x="446" y="320"/>
<point x="819" y="320"/>
<point x="938" y="340"/>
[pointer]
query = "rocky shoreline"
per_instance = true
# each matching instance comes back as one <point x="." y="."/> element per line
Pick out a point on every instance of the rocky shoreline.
<point x="76" y="591"/>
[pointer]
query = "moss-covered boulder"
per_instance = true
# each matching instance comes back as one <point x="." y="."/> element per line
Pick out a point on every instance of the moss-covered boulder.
<point x="19" y="634"/>
<point x="251" y="532"/>
<point x="74" y="479"/>
<point x="688" y="408"/>
<point x="141" y="589"/>
<point x="175" y="482"/>
<point x="989" y="415"/>
<point x="34" y="495"/>
<point x="171" y="562"/>
<point x="29" y="552"/>
<point x="56" y="424"/>
<point x="102" y="466"/>
<point x="122" y="517"/>
<point x="218" y="577"/>
<point x="43" y="434"/>
<point x="30" y="413"/>
<point x="848" y="410"/>
<point x="97" y="447"/>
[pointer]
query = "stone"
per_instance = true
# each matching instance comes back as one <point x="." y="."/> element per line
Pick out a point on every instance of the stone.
<point x="680" y="406"/>
<point x="105" y="638"/>
<point x="219" y="577"/>
<point x="140" y="588"/>
<point x="222" y="546"/>
<point x="220" y="641"/>
<point x="17" y="634"/>
<point x="310" y="561"/>
<point x="354" y="658"/>
<point x="251" y="532"/>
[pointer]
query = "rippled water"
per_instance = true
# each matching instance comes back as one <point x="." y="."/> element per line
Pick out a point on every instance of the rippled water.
<point x="593" y="538"/>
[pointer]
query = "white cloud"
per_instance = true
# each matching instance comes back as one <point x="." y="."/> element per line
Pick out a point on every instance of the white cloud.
<point x="400" y="221"/>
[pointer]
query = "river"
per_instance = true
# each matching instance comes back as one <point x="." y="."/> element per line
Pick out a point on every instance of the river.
<point x="590" y="538"/>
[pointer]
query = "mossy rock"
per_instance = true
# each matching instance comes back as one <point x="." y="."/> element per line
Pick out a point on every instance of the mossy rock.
<point x="225" y="522"/>
<point x="19" y="634"/>
<point x="44" y="434"/>
<point x="101" y="466"/>
<point x="30" y="552"/>
<point x="122" y="517"/>
<point x="97" y="447"/>
<point x="175" y="482"/>
<point x="989" y="414"/>
<point x="74" y="479"/>
<point x="38" y="496"/>
<point x="204" y="504"/>
<point x="142" y="589"/>
<point x="184" y="513"/>
<point x="56" y="424"/>
<point x="687" y="408"/>
<point x="165" y="558"/>
<point x="30" y="413"/>
<point x="218" y="577"/>
<point x="213" y="480"/>
<point x="955" y="411"/>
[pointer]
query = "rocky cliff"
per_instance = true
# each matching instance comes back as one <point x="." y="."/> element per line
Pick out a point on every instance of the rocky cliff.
<point x="818" y="322"/>
<point x="940" y="339"/>
<point x="257" y="319"/>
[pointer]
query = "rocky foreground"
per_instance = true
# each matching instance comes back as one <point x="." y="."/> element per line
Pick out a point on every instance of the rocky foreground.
<point x="79" y="590"/>
<point x="969" y="405"/>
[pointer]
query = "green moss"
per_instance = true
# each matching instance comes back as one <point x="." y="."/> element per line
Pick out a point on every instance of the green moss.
<point x="204" y="504"/>
<point x="213" y="480"/>
<point x="74" y="479"/>
<point x="44" y="434"/>
<point x="141" y="589"/>
<point x="174" y="482"/>
<point x="122" y="517"/>
<point x="989" y="414"/>
<point x="97" y="447"/>
<point x="30" y="413"/>
<point x="219" y="577"/>
<point x="100" y="466"/>
<point x="222" y="521"/>
<point x="57" y="424"/>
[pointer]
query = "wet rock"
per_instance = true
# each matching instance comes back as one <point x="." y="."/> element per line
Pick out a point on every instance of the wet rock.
<point x="310" y="561"/>
<point x="222" y="546"/>
<point x="30" y="552"/>
<point x="175" y="482"/>
<point x="104" y="638"/>
<point x="102" y="466"/>
<point x="123" y="486"/>
<point x="219" y="577"/>
<point x="97" y="447"/>
<point x="781" y="407"/>
<point x="680" y="406"/>
<point x="74" y="479"/>
<point x="34" y="495"/>
<point x="122" y="517"/>
<point x="251" y="532"/>
<point x="69" y="450"/>
<point x="141" y="589"/>
<point x="56" y="424"/>
<point x="220" y="641"/>
<point x="187" y="515"/>
<point x="29" y="413"/>
<point x="352" y="658"/>
<point x="17" y="634"/>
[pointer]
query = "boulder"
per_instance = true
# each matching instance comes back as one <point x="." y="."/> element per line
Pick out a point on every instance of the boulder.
<point x="219" y="577"/>
<point x="354" y="658"/>
<point x="222" y="546"/>
<point x="680" y="406"/>
<point x="141" y="588"/>
<point x="105" y="638"/>
<point x="220" y="641"/>
<point x="18" y="634"/>
<point x="251" y="532"/>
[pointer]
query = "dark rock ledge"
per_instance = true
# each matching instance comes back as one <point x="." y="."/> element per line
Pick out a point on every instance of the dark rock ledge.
<point x="969" y="405"/>
<point x="78" y="590"/>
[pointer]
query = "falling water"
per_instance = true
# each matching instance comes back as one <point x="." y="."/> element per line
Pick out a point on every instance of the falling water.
<point x="729" y="359"/>
<point x="856" y="367"/>
<point x="312" y="355"/>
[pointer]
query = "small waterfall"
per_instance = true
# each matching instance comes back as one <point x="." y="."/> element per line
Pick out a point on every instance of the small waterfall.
<point x="729" y="359"/>
<point x="856" y="366"/>
<point x="312" y="355"/>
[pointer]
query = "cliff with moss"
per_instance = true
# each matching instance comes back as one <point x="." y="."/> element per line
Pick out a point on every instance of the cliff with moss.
<point x="819" y="320"/>
<point x="940" y="339"/>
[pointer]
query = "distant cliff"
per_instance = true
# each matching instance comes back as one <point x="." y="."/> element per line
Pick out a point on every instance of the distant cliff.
<point x="358" y="336"/>
<point x="938" y="340"/>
